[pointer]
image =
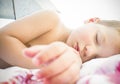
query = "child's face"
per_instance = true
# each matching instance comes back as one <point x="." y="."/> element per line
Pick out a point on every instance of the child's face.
<point x="93" y="40"/>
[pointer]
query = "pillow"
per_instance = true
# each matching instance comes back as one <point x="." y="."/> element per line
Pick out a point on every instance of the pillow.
<point x="95" y="71"/>
<point x="4" y="22"/>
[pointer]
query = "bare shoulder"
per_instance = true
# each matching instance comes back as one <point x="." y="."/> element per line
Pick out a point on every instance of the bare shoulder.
<point x="32" y="26"/>
<point x="47" y="18"/>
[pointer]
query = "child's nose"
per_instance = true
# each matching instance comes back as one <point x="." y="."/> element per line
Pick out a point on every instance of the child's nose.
<point x="88" y="52"/>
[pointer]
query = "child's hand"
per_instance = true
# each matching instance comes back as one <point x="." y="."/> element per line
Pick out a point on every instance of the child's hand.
<point x="61" y="63"/>
<point x="92" y="20"/>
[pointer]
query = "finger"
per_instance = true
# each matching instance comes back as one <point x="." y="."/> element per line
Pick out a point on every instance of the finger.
<point x="32" y="51"/>
<point x="53" y="51"/>
<point x="96" y="20"/>
<point x="70" y="76"/>
<point x="59" y="65"/>
<point x="92" y="20"/>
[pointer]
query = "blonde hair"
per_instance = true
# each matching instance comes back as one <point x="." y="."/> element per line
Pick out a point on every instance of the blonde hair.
<point x="111" y="23"/>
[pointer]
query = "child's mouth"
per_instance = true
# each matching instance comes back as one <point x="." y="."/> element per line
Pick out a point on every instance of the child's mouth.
<point x="76" y="47"/>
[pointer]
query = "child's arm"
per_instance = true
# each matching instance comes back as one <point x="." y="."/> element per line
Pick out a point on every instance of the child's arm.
<point x="14" y="36"/>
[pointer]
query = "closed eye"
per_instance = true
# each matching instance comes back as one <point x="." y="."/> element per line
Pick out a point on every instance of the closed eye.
<point x="100" y="39"/>
<point x="96" y="38"/>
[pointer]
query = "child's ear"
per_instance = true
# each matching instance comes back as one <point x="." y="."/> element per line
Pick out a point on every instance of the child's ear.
<point x="92" y="20"/>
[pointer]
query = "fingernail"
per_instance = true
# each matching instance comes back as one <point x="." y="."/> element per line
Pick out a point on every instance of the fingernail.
<point x="39" y="75"/>
<point x="29" y="53"/>
<point x="45" y="81"/>
<point x="36" y="61"/>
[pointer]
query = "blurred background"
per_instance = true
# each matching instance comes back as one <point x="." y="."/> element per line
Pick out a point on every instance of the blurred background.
<point x="72" y="12"/>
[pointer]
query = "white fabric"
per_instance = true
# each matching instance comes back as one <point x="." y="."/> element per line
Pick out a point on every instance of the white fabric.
<point x="4" y="22"/>
<point x="96" y="71"/>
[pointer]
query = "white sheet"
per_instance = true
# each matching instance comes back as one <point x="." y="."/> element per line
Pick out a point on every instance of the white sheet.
<point x="96" y="71"/>
<point x="3" y="22"/>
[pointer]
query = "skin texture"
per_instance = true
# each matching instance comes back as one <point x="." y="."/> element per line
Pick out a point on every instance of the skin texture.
<point x="42" y="41"/>
<point x="95" y="41"/>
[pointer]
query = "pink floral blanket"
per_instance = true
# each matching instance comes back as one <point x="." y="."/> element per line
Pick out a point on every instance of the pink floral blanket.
<point x="96" y="71"/>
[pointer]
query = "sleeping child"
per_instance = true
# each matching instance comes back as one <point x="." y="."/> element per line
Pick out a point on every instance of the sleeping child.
<point x="42" y="41"/>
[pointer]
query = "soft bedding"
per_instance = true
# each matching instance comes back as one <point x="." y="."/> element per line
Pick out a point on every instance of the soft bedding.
<point x="3" y="21"/>
<point x="96" y="71"/>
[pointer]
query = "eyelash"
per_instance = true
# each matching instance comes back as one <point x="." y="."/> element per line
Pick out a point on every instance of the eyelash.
<point x="96" y="38"/>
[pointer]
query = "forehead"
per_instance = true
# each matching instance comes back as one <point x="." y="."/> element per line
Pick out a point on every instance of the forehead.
<point x="87" y="27"/>
<point x="91" y="27"/>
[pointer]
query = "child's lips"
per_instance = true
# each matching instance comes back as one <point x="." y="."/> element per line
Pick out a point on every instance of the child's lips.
<point x="76" y="47"/>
